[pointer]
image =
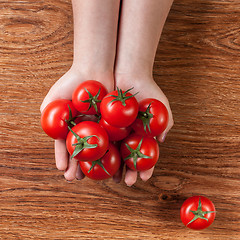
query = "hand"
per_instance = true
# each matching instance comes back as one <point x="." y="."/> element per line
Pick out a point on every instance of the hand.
<point x="63" y="89"/>
<point x="146" y="87"/>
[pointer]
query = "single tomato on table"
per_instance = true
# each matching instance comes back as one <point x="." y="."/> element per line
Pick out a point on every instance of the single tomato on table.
<point x="197" y="212"/>
<point x="104" y="167"/>
<point x="139" y="152"/>
<point x="87" y="97"/>
<point x="119" y="108"/>
<point x="87" y="141"/>
<point x="152" y="118"/>
<point x="57" y="116"/>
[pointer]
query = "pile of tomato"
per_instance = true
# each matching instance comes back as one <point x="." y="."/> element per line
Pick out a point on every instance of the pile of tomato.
<point x="102" y="128"/>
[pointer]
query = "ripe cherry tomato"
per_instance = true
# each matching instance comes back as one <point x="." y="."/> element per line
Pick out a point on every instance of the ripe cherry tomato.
<point x="119" y="108"/>
<point x="56" y="117"/>
<point x="152" y="118"/>
<point x="139" y="152"/>
<point x="105" y="167"/>
<point x="87" y="96"/>
<point x="87" y="141"/>
<point x="197" y="212"/>
<point x="115" y="133"/>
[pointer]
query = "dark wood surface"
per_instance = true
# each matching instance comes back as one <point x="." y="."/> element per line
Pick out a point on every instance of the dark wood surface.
<point x="197" y="66"/>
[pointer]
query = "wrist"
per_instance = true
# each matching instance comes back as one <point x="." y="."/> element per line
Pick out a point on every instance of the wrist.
<point x="88" y="69"/>
<point x="91" y="65"/>
<point x="136" y="69"/>
<point x="105" y="76"/>
<point x="126" y="80"/>
<point x="133" y="73"/>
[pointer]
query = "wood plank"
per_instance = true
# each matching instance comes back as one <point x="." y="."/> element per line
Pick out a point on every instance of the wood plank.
<point x="197" y="67"/>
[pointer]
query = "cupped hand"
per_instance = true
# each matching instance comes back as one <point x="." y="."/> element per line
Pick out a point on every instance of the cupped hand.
<point x="145" y="87"/>
<point x="63" y="89"/>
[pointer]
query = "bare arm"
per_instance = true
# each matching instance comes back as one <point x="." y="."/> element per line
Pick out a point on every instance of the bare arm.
<point x="95" y="34"/>
<point x="141" y="26"/>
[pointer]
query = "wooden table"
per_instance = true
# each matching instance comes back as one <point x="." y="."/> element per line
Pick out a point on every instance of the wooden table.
<point x="197" y="66"/>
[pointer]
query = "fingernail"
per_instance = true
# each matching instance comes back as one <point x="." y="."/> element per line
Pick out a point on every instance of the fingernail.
<point x="163" y="137"/>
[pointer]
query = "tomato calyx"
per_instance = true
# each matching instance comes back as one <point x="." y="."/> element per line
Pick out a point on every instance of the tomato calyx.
<point x="199" y="213"/>
<point x="98" y="162"/>
<point x="122" y="96"/>
<point x="82" y="143"/>
<point x="135" y="154"/>
<point x="92" y="100"/>
<point x="145" y="117"/>
<point x="70" y="121"/>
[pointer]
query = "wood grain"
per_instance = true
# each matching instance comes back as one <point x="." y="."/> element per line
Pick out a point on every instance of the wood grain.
<point x="197" y="66"/>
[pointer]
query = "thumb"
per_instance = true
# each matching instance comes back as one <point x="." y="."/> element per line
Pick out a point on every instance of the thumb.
<point x="62" y="89"/>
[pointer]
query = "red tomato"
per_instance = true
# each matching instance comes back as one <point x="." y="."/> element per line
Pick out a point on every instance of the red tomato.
<point x="197" y="212"/>
<point x="119" y="108"/>
<point x="139" y="152"/>
<point x="105" y="167"/>
<point x="87" y="96"/>
<point x="87" y="141"/>
<point x="152" y="118"/>
<point x="115" y="133"/>
<point x="56" y="117"/>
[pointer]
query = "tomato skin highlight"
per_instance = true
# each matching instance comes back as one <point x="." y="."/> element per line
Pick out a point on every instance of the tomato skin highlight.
<point x="84" y="129"/>
<point x="111" y="162"/>
<point x="115" y="133"/>
<point x="80" y="94"/>
<point x="191" y="204"/>
<point x="149" y="147"/>
<point x="157" y="123"/>
<point x="53" y="118"/>
<point x="115" y="113"/>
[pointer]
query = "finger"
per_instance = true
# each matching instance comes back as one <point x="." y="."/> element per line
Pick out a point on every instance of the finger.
<point x="79" y="174"/>
<point x="62" y="89"/>
<point x="70" y="173"/>
<point x="61" y="155"/>
<point x="50" y="97"/>
<point x="53" y="94"/>
<point x="130" y="177"/>
<point x="161" y="138"/>
<point x="145" y="175"/>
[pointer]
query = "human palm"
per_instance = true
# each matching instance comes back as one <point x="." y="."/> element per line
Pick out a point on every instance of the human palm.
<point x="145" y="87"/>
<point x="63" y="89"/>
